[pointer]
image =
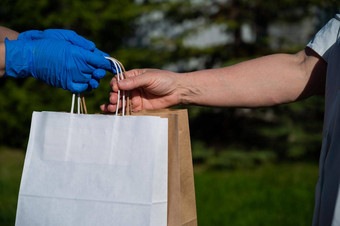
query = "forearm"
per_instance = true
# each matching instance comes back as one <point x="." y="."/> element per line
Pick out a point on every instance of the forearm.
<point x="7" y="33"/>
<point x="265" y="81"/>
<point x="10" y="34"/>
<point x="2" y="58"/>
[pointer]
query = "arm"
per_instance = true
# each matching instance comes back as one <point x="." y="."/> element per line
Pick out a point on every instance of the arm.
<point x="265" y="81"/>
<point x="10" y="34"/>
<point x="2" y="59"/>
<point x="6" y="32"/>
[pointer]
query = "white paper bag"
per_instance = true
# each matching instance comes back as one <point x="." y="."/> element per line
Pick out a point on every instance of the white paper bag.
<point x="94" y="170"/>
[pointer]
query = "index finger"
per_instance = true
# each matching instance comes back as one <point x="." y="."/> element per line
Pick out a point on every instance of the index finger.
<point x="97" y="61"/>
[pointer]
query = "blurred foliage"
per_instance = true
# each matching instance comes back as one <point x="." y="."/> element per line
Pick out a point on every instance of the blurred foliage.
<point x="290" y="132"/>
<point x="154" y="34"/>
<point x="185" y="19"/>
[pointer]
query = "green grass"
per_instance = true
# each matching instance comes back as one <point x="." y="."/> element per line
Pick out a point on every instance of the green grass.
<point x="267" y="195"/>
<point x="11" y="164"/>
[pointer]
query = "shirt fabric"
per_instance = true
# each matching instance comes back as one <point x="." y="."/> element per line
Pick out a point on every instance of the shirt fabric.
<point x="327" y="201"/>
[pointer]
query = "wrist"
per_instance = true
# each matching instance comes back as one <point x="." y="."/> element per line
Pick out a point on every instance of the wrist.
<point x="186" y="90"/>
<point x="18" y="58"/>
<point x="2" y="58"/>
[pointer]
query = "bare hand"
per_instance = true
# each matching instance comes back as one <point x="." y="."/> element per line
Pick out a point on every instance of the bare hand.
<point x="150" y="89"/>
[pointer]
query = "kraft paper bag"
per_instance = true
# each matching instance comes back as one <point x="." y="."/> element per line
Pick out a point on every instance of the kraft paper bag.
<point x="181" y="189"/>
<point x="94" y="170"/>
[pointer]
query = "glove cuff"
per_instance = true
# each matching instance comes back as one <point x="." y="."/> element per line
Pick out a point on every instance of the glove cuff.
<point x="18" y="58"/>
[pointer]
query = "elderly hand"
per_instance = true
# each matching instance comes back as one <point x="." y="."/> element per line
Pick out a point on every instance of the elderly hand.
<point x="150" y="89"/>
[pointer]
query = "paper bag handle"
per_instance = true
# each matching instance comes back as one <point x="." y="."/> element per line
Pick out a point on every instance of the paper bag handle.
<point x="81" y="106"/>
<point x="121" y="74"/>
<point x="126" y="100"/>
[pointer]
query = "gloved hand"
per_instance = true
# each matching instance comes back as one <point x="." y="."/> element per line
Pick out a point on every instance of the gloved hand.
<point x="65" y="35"/>
<point x="56" y="62"/>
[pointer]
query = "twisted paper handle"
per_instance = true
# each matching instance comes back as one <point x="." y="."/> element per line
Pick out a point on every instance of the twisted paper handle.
<point x="126" y="102"/>
<point x="81" y="106"/>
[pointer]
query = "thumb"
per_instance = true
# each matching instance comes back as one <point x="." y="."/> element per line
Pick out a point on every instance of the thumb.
<point x="132" y="83"/>
<point x="76" y="39"/>
<point x="61" y="34"/>
<point x="29" y="35"/>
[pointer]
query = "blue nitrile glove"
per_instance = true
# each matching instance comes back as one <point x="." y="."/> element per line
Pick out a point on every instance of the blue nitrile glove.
<point x="56" y="62"/>
<point x="61" y="34"/>
<point x="69" y="36"/>
<point x="65" y="35"/>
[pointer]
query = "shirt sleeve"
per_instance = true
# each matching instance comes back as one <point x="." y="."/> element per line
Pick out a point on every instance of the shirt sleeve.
<point x="326" y="38"/>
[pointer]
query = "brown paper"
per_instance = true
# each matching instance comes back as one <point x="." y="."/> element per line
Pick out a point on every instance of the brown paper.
<point x="181" y="189"/>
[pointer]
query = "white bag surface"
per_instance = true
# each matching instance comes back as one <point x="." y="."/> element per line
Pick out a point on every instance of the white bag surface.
<point x="94" y="170"/>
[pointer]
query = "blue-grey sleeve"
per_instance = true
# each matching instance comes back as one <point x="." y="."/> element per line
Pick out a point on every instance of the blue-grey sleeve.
<point x="326" y="38"/>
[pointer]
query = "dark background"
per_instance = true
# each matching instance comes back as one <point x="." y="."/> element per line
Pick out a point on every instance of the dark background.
<point x="159" y="34"/>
